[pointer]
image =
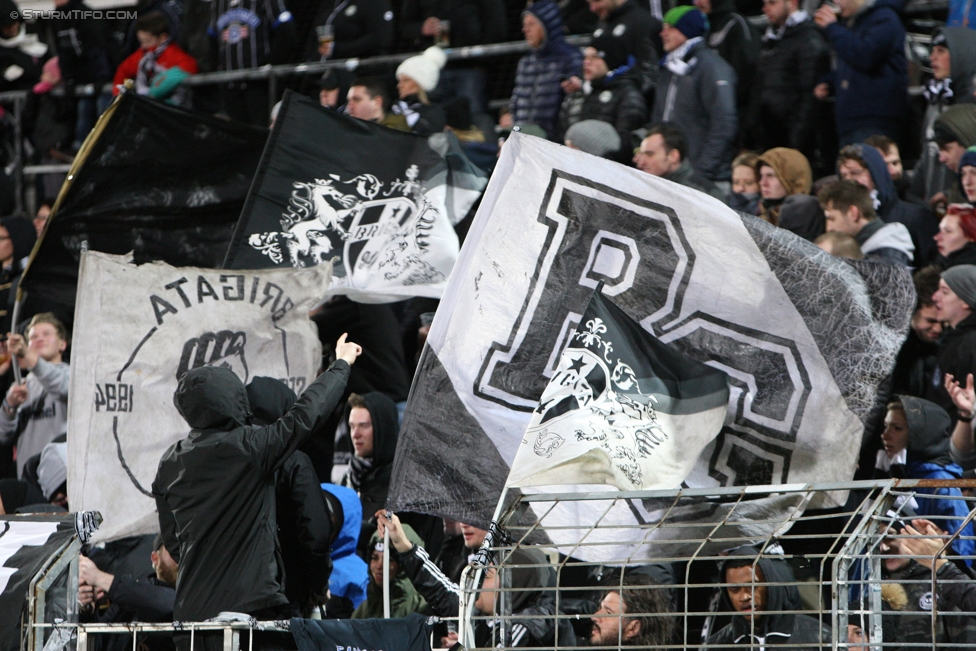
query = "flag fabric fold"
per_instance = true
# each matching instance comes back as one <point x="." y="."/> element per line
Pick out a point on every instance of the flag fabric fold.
<point x="621" y="409"/>
<point x="383" y="202"/>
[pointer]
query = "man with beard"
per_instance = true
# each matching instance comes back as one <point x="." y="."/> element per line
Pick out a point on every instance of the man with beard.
<point x="634" y="612"/>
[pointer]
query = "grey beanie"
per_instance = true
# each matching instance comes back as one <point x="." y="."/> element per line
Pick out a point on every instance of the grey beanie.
<point x="594" y="137"/>
<point x="961" y="279"/>
<point x="52" y="471"/>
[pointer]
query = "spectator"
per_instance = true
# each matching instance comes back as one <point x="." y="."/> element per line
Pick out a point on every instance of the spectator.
<point x="404" y="598"/>
<point x="956" y="589"/>
<point x="697" y="87"/>
<point x="594" y="137"/>
<point x="159" y="65"/>
<point x="334" y="88"/>
<point x="956" y="239"/>
<point x="955" y="131"/>
<point x="460" y="542"/>
<point x="633" y="595"/>
<point x="637" y="30"/>
<point x="917" y="446"/>
<point x="132" y="600"/>
<point x="350" y="574"/>
<point x="871" y="78"/>
<point x="363" y="28"/>
<point x="745" y="184"/>
<point x="35" y="412"/>
<point x="864" y="164"/>
<point x="737" y="41"/>
<point x="889" y="151"/>
<point x="22" y="55"/>
<point x="967" y="174"/>
<point x="962" y="14"/>
<point x="663" y="153"/>
<point x="609" y="93"/>
<point x="17" y="238"/>
<point x="741" y="575"/>
<point x="416" y="77"/>
<point x="538" y="94"/>
<point x="15" y="493"/>
<point x="368" y="100"/>
<point x="43" y="212"/>
<point x="455" y="24"/>
<point x="218" y="484"/>
<point x="953" y="61"/>
<point x="785" y="179"/>
<point x="793" y="57"/>
<point x="476" y="147"/>
<point x="848" y="209"/>
<point x="49" y="121"/>
<point x="917" y="361"/>
<point x="839" y="245"/>
<point x="249" y="34"/>
<point x="954" y="301"/>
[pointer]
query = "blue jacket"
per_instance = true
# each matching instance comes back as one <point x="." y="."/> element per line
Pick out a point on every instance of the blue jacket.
<point x="538" y="95"/>
<point x="962" y="13"/>
<point x="955" y="509"/>
<point x="350" y="575"/>
<point x="871" y="79"/>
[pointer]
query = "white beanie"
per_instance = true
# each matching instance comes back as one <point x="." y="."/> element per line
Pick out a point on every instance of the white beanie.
<point x="424" y="68"/>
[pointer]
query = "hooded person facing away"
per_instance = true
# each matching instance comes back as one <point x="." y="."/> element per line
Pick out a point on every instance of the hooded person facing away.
<point x="350" y="574"/>
<point x="741" y="575"/>
<point x="215" y="490"/>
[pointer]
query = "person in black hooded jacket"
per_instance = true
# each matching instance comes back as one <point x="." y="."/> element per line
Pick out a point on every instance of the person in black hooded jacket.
<point x="308" y="518"/>
<point x="737" y="41"/>
<point x="750" y="626"/>
<point x="639" y="32"/>
<point x="215" y="494"/>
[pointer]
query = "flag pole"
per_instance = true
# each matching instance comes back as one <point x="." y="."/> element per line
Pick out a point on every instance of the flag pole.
<point x="465" y="631"/>
<point x="386" y="567"/>
<point x="15" y="364"/>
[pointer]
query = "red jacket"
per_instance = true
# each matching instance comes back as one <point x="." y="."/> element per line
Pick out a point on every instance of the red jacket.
<point x="172" y="56"/>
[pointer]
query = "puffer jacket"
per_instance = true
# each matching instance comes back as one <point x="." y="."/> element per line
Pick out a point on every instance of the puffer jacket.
<point x="871" y="79"/>
<point x="912" y="625"/>
<point x="538" y="93"/>
<point x="215" y="491"/>
<point x="702" y="104"/>
<point x="783" y="630"/>
<point x="788" y="70"/>
<point x="615" y="99"/>
<point x="928" y="457"/>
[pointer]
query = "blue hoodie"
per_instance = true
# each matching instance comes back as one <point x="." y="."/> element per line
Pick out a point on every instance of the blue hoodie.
<point x="962" y="13"/>
<point x="350" y="575"/>
<point x="538" y="95"/>
<point x="871" y="79"/>
<point x="920" y="222"/>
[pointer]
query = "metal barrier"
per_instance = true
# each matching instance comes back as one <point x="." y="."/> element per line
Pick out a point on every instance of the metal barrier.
<point x="836" y="566"/>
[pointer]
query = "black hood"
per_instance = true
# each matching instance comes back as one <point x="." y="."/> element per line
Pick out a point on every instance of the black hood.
<point x="778" y="597"/>
<point x="929" y="428"/>
<point x="212" y="398"/>
<point x="270" y="399"/>
<point x="383" y="414"/>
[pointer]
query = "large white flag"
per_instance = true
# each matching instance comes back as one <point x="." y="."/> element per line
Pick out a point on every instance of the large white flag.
<point x="137" y="330"/>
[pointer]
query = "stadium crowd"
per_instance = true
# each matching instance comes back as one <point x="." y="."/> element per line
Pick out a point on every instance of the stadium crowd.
<point x="798" y="117"/>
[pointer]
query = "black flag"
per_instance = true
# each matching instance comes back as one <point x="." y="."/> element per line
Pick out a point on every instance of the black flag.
<point x="162" y="181"/>
<point x="384" y="202"/>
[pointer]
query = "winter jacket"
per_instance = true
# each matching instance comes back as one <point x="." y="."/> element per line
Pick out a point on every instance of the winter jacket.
<point x="473" y="22"/>
<point x="251" y="33"/>
<point x="687" y="176"/>
<point x="533" y="624"/>
<point x="640" y="33"/>
<point x="215" y="492"/>
<point x="81" y="45"/>
<point x="919" y="220"/>
<point x="784" y="111"/>
<point x="965" y="255"/>
<point x="929" y="177"/>
<point x="172" y="56"/>
<point x="962" y="13"/>
<point x="871" y="79"/>
<point x="888" y="242"/>
<point x="957" y="357"/>
<point x="928" y="457"/>
<point x="702" y="104"/>
<point x="350" y="574"/>
<point x="147" y="600"/>
<point x="538" y="94"/>
<point x="737" y="41"/>
<point x="43" y="416"/>
<point x="615" y="99"/>
<point x="955" y="588"/>
<point x="915" y="367"/>
<point x="423" y="119"/>
<point x="22" y="60"/>
<point x="363" y="28"/>
<point x="404" y="598"/>
<point x="781" y="630"/>
<point x="802" y="214"/>
<point x="912" y="625"/>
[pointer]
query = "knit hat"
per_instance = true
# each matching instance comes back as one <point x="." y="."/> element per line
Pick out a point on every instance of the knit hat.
<point x="594" y="137"/>
<point x="792" y="169"/>
<point x="52" y="470"/>
<point x="22" y="233"/>
<point x="611" y="50"/>
<point x="689" y="21"/>
<point x="425" y="69"/>
<point x="968" y="158"/>
<point x="956" y="124"/>
<point x="9" y="13"/>
<point x="961" y="279"/>
<point x="457" y="111"/>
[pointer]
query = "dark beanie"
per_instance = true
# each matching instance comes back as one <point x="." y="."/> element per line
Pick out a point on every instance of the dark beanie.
<point x="9" y="13"/>
<point x="22" y="233"/>
<point x="968" y="159"/>
<point x="610" y="49"/>
<point x="961" y="279"/>
<point x="458" y="113"/>
<point x="689" y="21"/>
